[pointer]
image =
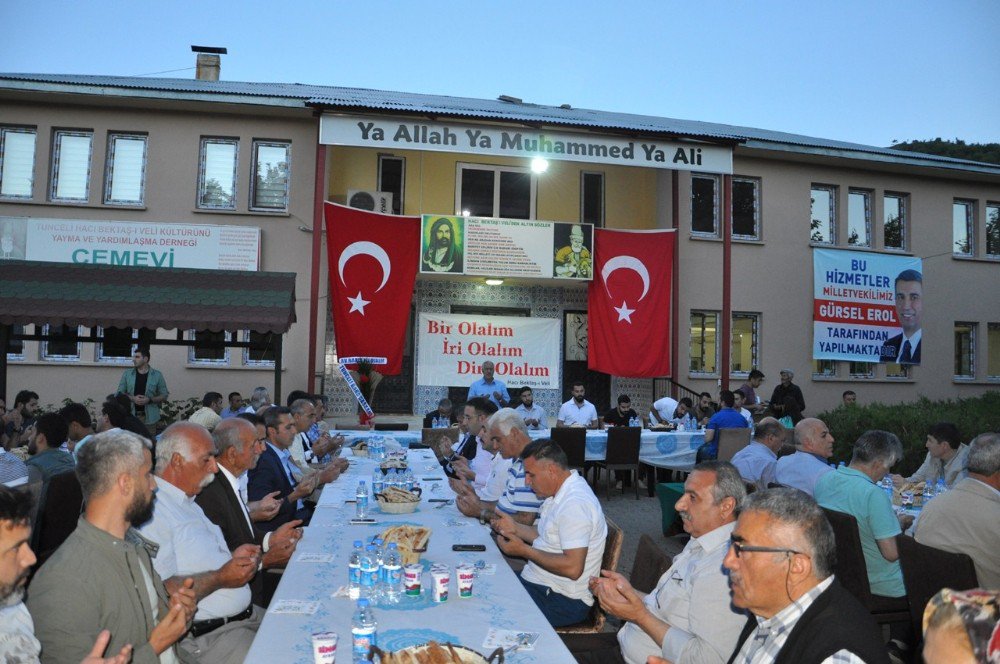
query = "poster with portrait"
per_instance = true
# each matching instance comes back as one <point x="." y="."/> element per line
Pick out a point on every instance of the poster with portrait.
<point x="442" y="244"/>
<point x="572" y="251"/>
<point x="867" y="307"/>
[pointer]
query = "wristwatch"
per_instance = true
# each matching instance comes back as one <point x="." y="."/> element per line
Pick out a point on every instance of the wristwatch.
<point x="484" y="516"/>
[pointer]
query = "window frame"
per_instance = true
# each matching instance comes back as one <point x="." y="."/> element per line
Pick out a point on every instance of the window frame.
<point x="992" y="377"/>
<point x="109" y="168"/>
<point x="54" y="175"/>
<point x="970" y="226"/>
<point x="43" y="348"/>
<point x="101" y="358"/>
<point x="704" y="313"/>
<point x="202" y="155"/>
<point x="992" y="205"/>
<point x="247" y="361"/>
<point x="257" y="143"/>
<point x="818" y="364"/>
<point x="868" y="373"/>
<point x="903" y="368"/>
<point x="4" y="132"/>
<point x="193" y="360"/>
<point x="754" y="316"/>
<point x="716" y="205"/>
<point x="397" y="206"/>
<point x="904" y="209"/>
<point x="599" y="223"/>
<point x="868" y="195"/>
<point x="17" y="357"/>
<point x="757" y="187"/>
<point x="972" y="329"/>
<point x="833" y="191"/>
<point x="497" y="170"/>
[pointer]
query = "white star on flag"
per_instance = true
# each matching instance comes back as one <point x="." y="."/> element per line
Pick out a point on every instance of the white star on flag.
<point x="358" y="303"/>
<point x="624" y="313"/>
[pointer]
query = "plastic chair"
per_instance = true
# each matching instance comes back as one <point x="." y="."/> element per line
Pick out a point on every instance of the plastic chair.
<point x="669" y="493"/>
<point x="651" y="562"/>
<point x="612" y="552"/>
<point x="622" y="454"/>
<point x="732" y="441"/>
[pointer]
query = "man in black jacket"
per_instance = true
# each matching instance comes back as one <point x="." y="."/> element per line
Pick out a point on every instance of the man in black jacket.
<point x="780" y="568"/>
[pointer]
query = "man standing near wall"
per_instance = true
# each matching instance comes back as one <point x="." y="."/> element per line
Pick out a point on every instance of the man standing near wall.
<point x="145" y="388"/>
<point x="492" y="388"/>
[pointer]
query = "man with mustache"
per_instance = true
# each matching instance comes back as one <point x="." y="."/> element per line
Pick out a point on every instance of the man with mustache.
<point x="190" y="545"/>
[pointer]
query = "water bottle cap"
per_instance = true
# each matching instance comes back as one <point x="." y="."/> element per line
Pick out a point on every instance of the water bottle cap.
<point x="377" y="541"/>
<point x="357" y="543"/>
<point x="363" y="602"/>
<point x="392" y="545"/>
<point x="370" y="547"/>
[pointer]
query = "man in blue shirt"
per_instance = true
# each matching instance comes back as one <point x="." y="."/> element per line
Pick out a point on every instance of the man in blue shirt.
<point x="727" y="418"/>
<point x="493" y="389"/>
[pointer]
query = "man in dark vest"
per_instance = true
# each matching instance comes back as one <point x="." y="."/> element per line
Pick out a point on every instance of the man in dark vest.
<point x="780" y="568"/>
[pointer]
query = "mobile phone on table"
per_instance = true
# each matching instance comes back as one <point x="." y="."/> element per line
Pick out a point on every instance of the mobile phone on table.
<point x="468" y="547"/>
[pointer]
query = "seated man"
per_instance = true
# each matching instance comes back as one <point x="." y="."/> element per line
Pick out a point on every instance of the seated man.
<point x="683" y="417"/>
<point x="79" y="425"/>
<point x="965" y="519"/>
<point x="191" y="546"/>
<point x="739" y="408"/>
<point x="307" y="449"/>
<point x="445" y="412"/>
<point x="852" y="490"/>
<point x="781" y="569"/>
<point x="704" y="409"/>
<point x="235" y="406"/>
<point x="946" y="457"/>
<point x="622" y="416"/>
<point x="758" y="461"/>
<point x="533" y="415"/>
<point x="687" y="617"/>
<point x="577" y="412"/>
<point x="475" y="459"/>
<point x="727" y="418"/>
<point x="565" y="549"/>
<point x="50" y="432"/>
<point x="808" y="464"/>
<point x="662" y="410"/>
<point x="210" y="412"/>
<point x="275" y="472"/>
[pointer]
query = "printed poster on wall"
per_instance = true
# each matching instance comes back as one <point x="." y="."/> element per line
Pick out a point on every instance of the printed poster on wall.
<point x="130" y="243"/>
<point x="452" y="348"/>
<point x="484" y="246"/>
<point x="867" y="307"/>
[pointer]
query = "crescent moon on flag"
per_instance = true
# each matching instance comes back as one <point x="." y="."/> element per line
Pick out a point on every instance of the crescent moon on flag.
<point x="626" y="263"/>
<point x="366" y="249"/>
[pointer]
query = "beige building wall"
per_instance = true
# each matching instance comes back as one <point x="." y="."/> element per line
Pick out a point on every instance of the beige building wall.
<point x="174" y="131"/>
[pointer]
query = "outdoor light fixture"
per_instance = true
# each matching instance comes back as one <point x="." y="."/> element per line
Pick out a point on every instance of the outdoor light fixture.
<point x="539" y="165"/>
<point x="466" y="213"/>
<point x="494" y="282"/>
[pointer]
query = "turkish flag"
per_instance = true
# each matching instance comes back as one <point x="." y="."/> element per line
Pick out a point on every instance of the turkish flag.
<point x="628" y="326"/>
<point x="372" y="261"/>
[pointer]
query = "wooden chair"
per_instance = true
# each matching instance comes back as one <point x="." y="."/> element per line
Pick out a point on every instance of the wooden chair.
<point x="651" y="561"/>
<point x="732" y="441"/>
<point x="392" y="426"/>
<point x="59" y="515"/>
<point x="927" y="570"/>
<point x="622" y="454"/>
<point x="612" y="552"/>
<point x="573" y="441"/>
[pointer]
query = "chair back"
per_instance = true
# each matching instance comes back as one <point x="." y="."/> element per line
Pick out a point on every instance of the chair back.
<point x="851" y="569"/>
<point x="651" y="561"/>
<point x="612" y="553"/>
<point x="60" y="513"/>
<point x="732" y="441"/>
<point x="623" y="446"/>
<point x="392" y="426"/>
<point x="927" y="570"/>
<point x="573" y="441"/>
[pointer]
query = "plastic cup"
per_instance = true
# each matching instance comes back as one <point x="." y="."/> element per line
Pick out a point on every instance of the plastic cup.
<point x="441" y="578"/>
<point x="412" y="575"/>
<point x="465" y="574"/>
<point x="324" y="647"/>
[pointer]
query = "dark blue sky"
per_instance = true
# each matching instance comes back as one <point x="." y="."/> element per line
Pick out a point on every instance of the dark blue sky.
<point x="864" y="71"/>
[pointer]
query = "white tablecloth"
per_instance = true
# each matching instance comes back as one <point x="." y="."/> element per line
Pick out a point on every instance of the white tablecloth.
<point x="498" y="600"/>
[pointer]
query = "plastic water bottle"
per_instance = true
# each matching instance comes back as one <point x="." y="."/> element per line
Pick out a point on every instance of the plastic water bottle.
<point x="927" y="494"/>
<point x="887" y="486"/>
<point x="369" y="572"/>
<point x="354" y="571"/>
<point x="392" y="479"/>
<point x="378" y="481"/>
<point x="364" y="631"/>
<point x="361" y="496"/>
<point x="392" y="574"/>
<point x="941" y="487"/>
<point x="408" y="479"/>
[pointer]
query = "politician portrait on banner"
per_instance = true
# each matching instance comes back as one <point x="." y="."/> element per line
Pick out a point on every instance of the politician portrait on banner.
<point x="442" y="240"/>
<point x="867" y="307"/>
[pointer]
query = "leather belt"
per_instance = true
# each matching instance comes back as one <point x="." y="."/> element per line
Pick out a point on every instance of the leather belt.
<point x="201" y="627"/>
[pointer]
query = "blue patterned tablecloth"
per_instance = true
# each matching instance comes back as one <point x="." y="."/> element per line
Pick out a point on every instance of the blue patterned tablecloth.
<point x="499" y="600"/>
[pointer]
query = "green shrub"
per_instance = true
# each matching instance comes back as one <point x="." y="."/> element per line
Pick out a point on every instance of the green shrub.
<point x="910" y="421"/>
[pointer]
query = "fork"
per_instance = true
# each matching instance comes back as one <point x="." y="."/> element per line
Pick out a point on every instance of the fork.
<point x="444" y="504"/>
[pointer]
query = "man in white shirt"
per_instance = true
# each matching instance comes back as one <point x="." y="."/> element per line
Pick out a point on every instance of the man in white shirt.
<point x="578" y="412"/>
<point x="190" y="545"/>
<point x="808" y="464"/>
<point x="566" y="547"/>
<point x="688" y="617"/>
<point x="758" y="461"/>
<point x="946" y="457"/>
<point x="533" y="415"/>
<point x="663" y="410"/>
<point x="738" y="402"/>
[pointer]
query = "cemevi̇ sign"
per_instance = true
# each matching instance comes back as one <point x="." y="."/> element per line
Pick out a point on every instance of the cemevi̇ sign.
<point x="453" y="347"/>
<point x="131" y="243"/>
<point x="867" y="307"/>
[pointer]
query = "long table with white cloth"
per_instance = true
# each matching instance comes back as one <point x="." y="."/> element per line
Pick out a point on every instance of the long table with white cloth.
<point x="498" y="601"/>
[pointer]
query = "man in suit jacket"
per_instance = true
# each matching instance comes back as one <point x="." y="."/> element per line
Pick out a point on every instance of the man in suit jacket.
<point x="239" y="447"/>
<point x="275" y="472"/>
<point x="904" y="348"/>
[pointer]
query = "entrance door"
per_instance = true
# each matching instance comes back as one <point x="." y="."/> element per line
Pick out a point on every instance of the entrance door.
<point x="575" y="364"/>
<point x="395" y="393"/>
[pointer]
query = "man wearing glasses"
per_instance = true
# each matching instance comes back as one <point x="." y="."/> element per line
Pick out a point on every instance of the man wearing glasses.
<point x="687" y="618"/>
<point x="780" y="568"/>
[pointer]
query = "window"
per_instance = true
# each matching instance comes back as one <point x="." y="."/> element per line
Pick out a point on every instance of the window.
<point x="217" y="173"/>
<point x="496" y="191"/>
<point x="119" y="344"/>
<point x="263" y="348"/>
<point x="862" y="370"/>
<point x="744" y="343"/>
<point x="269" y="187"/>
<point x="859" y="215"/>
<point x="894" y="221"/>
<point x="125" y="174"/>
<point x="962" y="217"/>
<point x="993" y="351"/>
<point x="392" y="179"/>
<point x="209" y="348"/>
<point x="893" y="370"/>
<point x="703" y="348"/>
<point x="823" y="214"/>
<point x="17" y="161"/>
<point x="824" y="368"/>
<point x="61" y="346"/>
<point x="592" y="198"/>
<point x="746" y="208"/>
<point x="16" y="347"/>
<point x="705" y="204"/>
<point x="965" y="350"/>
<point x="71" y="165"/>
<point x="993" y="230"/>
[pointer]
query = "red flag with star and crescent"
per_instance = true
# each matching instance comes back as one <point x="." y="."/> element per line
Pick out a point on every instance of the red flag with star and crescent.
<point x="372" y="260"/>
<point x="628" y="328"/>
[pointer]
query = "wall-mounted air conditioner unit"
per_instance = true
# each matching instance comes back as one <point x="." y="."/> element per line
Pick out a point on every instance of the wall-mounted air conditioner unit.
<point x="375" y="201"/>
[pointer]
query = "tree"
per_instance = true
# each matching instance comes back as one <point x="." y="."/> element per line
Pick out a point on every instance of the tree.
<point x="957" y="149"/>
